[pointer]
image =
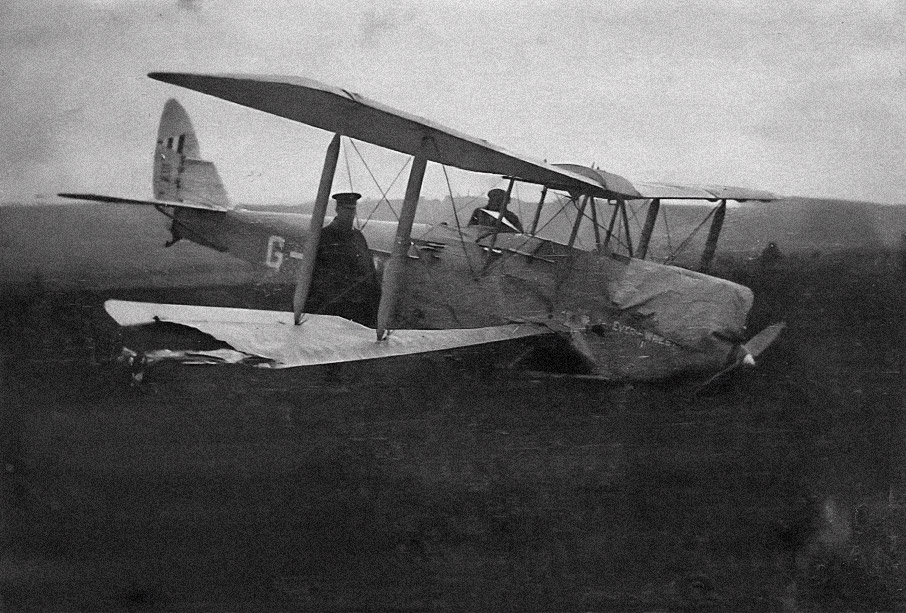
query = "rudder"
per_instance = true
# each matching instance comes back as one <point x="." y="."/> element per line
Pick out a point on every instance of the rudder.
<point x="180" y="175"/>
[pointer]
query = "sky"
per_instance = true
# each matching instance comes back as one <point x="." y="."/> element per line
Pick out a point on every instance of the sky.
<point x="803" y="99"/>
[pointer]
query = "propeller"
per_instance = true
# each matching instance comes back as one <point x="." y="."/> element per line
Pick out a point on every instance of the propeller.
<point x="747" y="353"/>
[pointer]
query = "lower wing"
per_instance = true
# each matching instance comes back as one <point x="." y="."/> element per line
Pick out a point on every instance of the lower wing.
<point x="270" y="339"/>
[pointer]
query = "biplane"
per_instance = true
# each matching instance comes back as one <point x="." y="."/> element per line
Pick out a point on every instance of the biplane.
<point x="448" y="285"/>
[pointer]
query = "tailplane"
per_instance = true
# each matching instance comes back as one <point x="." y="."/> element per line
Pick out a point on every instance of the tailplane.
<point x="180" y="175"/>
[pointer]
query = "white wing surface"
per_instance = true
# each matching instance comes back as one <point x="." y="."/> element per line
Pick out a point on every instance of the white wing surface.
<point x="703" y="192"/>
<point x="321" y="339"/>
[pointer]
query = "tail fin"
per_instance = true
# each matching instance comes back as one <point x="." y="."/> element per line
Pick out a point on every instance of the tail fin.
<point x="180" y="174"/>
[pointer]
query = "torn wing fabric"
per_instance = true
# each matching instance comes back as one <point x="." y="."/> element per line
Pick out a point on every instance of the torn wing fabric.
<point x="210" y="356"/>
<point x="321" y="339"/>
<point x="684" y="306"/>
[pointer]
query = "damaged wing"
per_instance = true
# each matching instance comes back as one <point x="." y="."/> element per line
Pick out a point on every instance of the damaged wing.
<point x="273" y="339"/>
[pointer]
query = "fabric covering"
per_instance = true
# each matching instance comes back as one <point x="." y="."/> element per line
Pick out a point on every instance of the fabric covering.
<point x="321" y="339"/>
<point x="687" y="307"/>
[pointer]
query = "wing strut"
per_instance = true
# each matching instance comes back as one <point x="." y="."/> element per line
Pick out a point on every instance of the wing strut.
<point x="393" y="272"/>
<point x="579" y="216"/>
<point x="307" y="266"/>
<point x="622" y="205"/>
<point x="538" y="211"/>
<point x="713" y="234"/>
<point x="613" y="221"/>
<point x="648" y="228"/>
<point x="594" y="222"/>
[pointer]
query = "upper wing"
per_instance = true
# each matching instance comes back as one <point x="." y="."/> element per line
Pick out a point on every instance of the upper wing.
<point x="338" y="110"/>
<point x="703" y="192"/>
<point x="116" y="199"/>
<point x="321" y="339"/>
<point x="344" y="112"/>
<point x="668" y="191"/>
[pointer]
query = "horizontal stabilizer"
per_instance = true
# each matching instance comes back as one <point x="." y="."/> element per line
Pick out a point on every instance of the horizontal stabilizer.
<point x="117" y="200"/>
<point x="321" y="339"/>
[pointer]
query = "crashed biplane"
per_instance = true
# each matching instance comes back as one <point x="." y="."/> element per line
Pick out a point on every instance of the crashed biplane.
<point x="442" y="286"/>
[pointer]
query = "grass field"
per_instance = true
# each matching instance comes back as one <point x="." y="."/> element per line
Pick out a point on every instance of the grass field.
<point x="442" y="483"/>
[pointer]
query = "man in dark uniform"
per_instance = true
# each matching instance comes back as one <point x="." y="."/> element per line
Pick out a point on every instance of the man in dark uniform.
<point x="496" y="199"/>
<point x="345" y="281"/>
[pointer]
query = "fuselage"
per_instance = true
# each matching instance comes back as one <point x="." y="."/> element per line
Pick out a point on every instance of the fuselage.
<point x="454" y="279"/>
<point x="108" y="247"/>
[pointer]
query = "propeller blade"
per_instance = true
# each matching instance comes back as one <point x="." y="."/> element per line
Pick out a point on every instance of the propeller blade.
<point x="717" y="377"/>
<point x="761" y="341"/>
<point x="746" y="354"/>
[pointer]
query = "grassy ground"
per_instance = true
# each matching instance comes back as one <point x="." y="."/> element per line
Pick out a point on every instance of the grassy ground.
<point x="440" y="483"/>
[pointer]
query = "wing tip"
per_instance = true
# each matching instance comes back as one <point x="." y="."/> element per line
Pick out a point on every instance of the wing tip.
<point x="174" y="78"/>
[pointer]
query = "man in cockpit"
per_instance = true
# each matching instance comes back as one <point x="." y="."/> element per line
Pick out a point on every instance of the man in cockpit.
<point x="487" y="215"/>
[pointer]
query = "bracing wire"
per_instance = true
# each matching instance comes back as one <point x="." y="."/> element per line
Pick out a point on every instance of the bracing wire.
<point x="683" y="244"/>
<point x="518" y="198"/>
<point x="560" y="209"/>
<point x="667" y="228"/>
<point x="636" y="213"/>
<point x="378" y="185"/>
<point x="467" y="205"/>
<point x="456" y="217"/>
<point x="617" y="235"/>
<point x="348" y="169"/>
<point x="527" y="240"/>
